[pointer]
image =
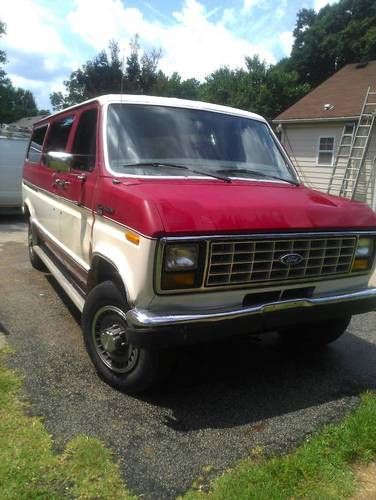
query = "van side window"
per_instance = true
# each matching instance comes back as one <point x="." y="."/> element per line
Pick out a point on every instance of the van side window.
<point x="57" y="138"/>
<point x="84" y="145"/>
<point x="34" y="153"/>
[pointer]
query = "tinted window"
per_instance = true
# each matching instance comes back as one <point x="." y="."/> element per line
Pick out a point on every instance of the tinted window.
<point x="35" y="147"/>
<point x="85" y="141"/>
<point x="58" y="136"/>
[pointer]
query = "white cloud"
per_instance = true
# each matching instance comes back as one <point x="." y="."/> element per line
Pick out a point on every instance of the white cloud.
<point x="30" y="28"/>
<point x="228" y="16"/>
<point x="40" y="89"/>
<point x="248" y="5"/>
<point x="286" y="39"/>
<point x="191" y="44"/>
<point x="319" y="4"/>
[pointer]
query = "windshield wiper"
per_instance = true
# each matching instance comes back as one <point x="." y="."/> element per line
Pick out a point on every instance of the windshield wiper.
<point x="255" y="172"/>
<point x="174" y="165"/>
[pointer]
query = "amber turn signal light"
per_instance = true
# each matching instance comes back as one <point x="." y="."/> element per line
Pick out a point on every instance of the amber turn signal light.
<point x="175" y="281"/>
<point x="360" y="265"/>
<point x="132" y="237"/>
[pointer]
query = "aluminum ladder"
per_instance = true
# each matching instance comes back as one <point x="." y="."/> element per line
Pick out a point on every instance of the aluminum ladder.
<point x="349" y="176"/>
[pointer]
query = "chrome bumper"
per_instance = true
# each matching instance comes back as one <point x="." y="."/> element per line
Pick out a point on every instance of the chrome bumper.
<point x="144" y="319"/>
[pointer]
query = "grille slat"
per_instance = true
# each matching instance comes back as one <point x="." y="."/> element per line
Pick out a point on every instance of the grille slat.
<point x="253" y="261"/>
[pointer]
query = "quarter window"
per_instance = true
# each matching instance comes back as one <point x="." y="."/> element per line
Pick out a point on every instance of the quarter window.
<point x="59" y="132"/>
<point x="84" y="145"/>
<point x="326" y="151"/>
<point x="34" y="152"/>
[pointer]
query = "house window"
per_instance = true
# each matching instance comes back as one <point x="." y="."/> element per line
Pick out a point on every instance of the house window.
<point x="326" y="151"/>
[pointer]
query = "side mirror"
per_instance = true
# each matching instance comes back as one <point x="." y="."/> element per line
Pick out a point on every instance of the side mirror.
<point x="58" y="160"/>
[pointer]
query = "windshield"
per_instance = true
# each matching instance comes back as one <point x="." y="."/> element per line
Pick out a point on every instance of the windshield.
<point x="212" y="142"/>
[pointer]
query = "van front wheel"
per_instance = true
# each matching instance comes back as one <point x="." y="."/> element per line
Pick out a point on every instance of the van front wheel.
<point x="123" y="366"/>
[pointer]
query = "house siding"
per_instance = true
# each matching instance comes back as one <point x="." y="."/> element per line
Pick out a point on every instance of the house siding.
<point x="302" y="142"/>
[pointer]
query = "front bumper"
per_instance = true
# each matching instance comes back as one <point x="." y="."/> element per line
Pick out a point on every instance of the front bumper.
<point x="151" y="329"/>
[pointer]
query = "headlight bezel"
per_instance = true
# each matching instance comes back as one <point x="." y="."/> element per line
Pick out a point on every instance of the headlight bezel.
<point x="364" y="260"/>
<point x="163" y="277"/>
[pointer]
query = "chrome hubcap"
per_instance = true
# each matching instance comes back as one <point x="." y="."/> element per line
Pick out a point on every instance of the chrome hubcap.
<point x="109" y="335"/>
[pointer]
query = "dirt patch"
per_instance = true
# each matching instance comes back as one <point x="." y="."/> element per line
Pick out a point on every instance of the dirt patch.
<point x="366" y="475"/>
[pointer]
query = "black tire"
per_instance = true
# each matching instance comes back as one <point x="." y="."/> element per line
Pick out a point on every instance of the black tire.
<point x="315" y="335"/>
<point x="132" y="370"/>
<point x="35" y="261"/>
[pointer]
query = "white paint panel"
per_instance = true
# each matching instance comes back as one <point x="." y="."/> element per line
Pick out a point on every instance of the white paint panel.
<point x="75" y="231"/>
<point x="45" y="210"/>
<point x="135" y="263"/>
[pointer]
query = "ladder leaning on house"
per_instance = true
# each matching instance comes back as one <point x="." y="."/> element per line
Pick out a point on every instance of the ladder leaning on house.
<point x="350" y="176"/>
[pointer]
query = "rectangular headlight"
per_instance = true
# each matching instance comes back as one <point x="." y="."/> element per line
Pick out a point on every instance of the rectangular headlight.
<point x="181" y="257"/>
<point x="182" y="266"/>
<point x="365" y="248"/>
<point x="364" y="254"/>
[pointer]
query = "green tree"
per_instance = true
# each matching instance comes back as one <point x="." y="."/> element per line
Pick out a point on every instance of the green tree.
<point x="261" y="88"/>
<point x="101" y="75"/>
<point x="338" y="34"/>
<point x="15" y="103"/>
<point x="2" y="53"/>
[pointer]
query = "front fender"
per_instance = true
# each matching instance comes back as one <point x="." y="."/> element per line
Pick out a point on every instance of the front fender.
<point x="135" y="263"/>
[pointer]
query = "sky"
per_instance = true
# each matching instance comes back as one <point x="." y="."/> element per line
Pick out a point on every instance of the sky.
<point x="47" y="39"/>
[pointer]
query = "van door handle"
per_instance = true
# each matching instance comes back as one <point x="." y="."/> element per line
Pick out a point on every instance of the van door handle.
<point x="60" y="182"/>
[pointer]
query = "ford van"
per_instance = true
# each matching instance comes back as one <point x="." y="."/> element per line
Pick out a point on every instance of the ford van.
<point x="170" y="222"/>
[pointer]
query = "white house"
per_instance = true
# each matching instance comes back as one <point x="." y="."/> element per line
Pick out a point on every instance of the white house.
<point x="332" y="130"/>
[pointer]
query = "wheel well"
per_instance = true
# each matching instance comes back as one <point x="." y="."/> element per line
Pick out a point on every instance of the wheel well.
<point x="103" y="270"/>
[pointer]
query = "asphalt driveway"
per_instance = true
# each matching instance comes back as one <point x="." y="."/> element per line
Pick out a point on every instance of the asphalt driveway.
<point x="221" y="402"/>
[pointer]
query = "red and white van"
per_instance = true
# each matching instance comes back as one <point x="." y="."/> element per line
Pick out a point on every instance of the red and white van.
<point x="169" y="221"/>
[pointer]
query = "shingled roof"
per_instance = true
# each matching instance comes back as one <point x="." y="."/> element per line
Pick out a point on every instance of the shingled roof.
<point x="342" y="94"/>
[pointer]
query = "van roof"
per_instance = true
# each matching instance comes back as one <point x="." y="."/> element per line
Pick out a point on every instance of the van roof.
<point x="159" y="101"/>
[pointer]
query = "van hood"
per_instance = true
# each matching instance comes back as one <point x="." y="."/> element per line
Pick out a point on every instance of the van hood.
<point x="187" y="207"/>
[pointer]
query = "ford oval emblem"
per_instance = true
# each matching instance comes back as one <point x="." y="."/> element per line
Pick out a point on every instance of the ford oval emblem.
<point x="291" y="259"/>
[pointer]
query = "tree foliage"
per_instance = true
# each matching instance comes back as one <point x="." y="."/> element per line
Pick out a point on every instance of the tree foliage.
<point x="338" y="34"/>
<point x="104" y="74"/>
<point x="261" y="88"/>
<point x="15" y="103"/>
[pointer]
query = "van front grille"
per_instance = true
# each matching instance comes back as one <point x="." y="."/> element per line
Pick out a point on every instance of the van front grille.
<point x="261" y="260"/>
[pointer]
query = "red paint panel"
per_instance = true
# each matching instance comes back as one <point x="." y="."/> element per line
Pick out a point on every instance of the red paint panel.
<point x="38" y="175"/>
<point x="188" y="207"/>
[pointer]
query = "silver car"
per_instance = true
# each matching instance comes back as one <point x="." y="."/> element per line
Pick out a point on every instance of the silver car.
<point x="12" y="155"/>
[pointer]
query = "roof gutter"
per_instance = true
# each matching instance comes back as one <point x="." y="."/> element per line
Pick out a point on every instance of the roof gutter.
<point x="316" y="120"/>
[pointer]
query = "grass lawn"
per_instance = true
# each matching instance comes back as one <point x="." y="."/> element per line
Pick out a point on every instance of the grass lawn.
<point x="29" y="469"/>
<point x="321" y="468"/>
